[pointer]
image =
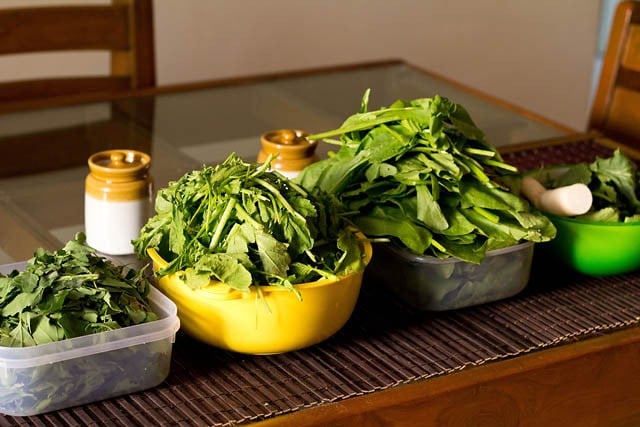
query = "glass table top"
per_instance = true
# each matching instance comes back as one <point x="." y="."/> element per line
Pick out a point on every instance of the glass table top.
<point x="185" y="129"/>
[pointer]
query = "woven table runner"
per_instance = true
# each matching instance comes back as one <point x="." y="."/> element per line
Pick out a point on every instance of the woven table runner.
<point x="383" y="345"/>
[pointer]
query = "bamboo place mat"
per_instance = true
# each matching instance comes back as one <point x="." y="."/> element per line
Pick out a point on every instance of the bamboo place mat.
<point x="384" y="344"/>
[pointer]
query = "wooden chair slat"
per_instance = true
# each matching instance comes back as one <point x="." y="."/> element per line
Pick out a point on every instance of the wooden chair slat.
<point x="624" y="116"/>
<point x="631" y="55"/>
<point x="64" y="28"/>
<point x="124" y="30"/>
<point x="616" y="107"/>
<point x="47" y="88"/>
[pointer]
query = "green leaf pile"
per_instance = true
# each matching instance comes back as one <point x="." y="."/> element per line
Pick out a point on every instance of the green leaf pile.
<point x="69" y="293"/>
<point x="614" y="183"/>
<point x="421" y="173"/>
<point x="244" y="225"/>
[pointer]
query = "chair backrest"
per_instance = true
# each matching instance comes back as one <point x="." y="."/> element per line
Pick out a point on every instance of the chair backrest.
<point x="616" y="107"/>
<point x="124" y="28"/>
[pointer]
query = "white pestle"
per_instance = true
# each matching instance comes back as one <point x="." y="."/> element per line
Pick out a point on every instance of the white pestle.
<point x="569" y="200"/>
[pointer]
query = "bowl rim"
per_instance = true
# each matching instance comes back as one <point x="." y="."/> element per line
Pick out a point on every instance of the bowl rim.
<point x="221" y="290"/>
<point x="595" y="223"/>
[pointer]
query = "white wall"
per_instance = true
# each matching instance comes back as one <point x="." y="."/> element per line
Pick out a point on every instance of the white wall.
<point x="536" y="54"/>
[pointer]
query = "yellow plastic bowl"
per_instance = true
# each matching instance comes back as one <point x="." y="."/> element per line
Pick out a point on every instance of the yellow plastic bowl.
<point x="275" y="322"/>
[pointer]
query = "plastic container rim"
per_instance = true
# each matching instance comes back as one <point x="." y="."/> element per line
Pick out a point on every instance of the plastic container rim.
<point x="595" y="223"/>
<point x="451" y="260"/>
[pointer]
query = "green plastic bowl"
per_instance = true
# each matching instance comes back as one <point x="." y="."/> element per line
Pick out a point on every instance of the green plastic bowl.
<point x="596" y="248"/>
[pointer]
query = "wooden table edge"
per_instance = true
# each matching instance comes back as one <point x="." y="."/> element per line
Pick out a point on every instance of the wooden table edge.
<point x="544" y="380"/>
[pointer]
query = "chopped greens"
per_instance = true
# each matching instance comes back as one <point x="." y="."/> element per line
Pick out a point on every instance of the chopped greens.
<point x="422" y="174"/>
<point x="614" y="183"/>
<point x="245" y="225"/>
<point x="69" y="293"/>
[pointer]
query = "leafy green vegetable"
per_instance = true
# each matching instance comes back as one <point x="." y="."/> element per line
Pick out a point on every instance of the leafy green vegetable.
<point x="420" y="172"/>
<point x="244" y="225"/>
<point x="614" y="183"/>
<point x="69" y="293"/>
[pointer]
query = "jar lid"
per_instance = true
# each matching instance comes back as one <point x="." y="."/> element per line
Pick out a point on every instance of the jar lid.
<point x="119" y="165"/>
<point x="288" y="144"/>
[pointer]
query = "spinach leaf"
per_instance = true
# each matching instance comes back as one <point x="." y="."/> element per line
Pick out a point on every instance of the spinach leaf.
<point x="422" y="174"/>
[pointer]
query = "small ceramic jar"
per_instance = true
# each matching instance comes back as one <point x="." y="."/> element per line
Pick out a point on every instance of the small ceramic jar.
<point x="118" y="199"/>
<point x="292" y="149"/>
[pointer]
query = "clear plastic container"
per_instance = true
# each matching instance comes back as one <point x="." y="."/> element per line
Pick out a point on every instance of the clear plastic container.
<point x="433" y="284"/>
<point x="48" y="377"/>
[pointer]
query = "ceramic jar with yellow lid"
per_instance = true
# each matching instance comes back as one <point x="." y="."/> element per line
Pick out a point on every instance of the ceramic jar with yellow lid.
<point x="292" y="150"/>
<point x="118" y="199"/>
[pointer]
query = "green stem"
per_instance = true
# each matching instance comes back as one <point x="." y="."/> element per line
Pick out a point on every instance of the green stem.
<point x="280" y="198"/>
<point x="500" y="165"/>
<point x="476" y="170"/>
<point x="438" y="246"/>
<point x="261" y="169"/>
<point x="486" y="214"/>
<point x="299" y="189"/>
<point x="244" y="215"/>
<point x="479" y="152"/>
<point x="221" y="223"/>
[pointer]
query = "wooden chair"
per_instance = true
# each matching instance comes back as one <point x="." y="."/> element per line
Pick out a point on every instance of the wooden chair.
<point x="616" y="107"/>
<point x="123" y="28"/>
